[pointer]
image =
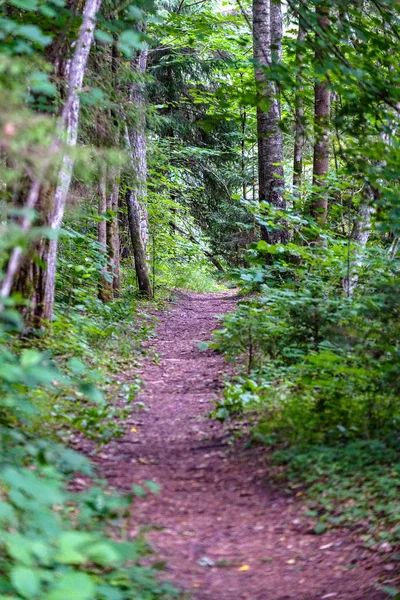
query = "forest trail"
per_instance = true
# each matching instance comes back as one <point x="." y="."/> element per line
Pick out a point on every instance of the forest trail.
<point x="223" y="530"/>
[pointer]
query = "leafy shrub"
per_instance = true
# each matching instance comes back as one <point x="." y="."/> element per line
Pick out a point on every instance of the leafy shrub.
<point x="318" y="376"/>
<point x="57" y="544"/>
<point x="319" y="365"/>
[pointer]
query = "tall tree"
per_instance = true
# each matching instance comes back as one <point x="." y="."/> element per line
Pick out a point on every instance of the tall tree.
<point x="322" y="110"/>
<point x="39" y="276"/>
<point x="299" y="135"/>
<point x="267" y="47"/>
<point x="136" y="195"/>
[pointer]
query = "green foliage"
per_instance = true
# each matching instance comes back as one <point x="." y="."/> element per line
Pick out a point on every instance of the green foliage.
<point x="55" y="543"/>
<point x="321" y="366"/>
<point x="349" y="484"/>
<point x="318" y="375"/>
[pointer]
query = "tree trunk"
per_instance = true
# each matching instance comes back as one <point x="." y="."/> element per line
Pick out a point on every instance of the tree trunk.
<point x="267" y="41"/>
<point x="105" y="287"/>
<point x="243" y="153"/>
<point x="70" y="117"/>
<point x="136" y="196"/>
<point x="299" y="136"/>
<point x="113" y="236"/>
<point x="135" y="224"/>
<point x="360" y="236"/>
<point x="137" y="137"/>
<point x="322" y="108"/>
<point x="139" y="253"/>
<point x="43" y="282"/>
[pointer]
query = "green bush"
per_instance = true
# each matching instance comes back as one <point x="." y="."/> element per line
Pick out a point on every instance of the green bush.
<point x="318" y="366"/>
<point x="318" y="379"/>
<point x="57" y="544"/>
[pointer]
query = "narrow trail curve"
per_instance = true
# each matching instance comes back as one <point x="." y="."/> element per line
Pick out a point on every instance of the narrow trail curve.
<point x="216" y="512"/>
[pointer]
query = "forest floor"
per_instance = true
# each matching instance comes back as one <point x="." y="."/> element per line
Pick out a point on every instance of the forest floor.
<point x="224" y="530"/>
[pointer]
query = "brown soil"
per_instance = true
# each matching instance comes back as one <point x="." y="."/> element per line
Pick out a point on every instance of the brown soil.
<point x="223" y="530"/>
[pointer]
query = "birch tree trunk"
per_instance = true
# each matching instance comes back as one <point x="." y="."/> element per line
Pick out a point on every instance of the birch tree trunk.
<point x="108" y="236"/>
<point x="137" y="136"/>
<point x="135" y="224"/>
<point x="322" y="110"/>
<point x="70" y="118"/>
<point x="360" y="236"/>
<point x="136" y="195"/>
<point x="267" y="38"/>
<point x="105" y="285"/>
<point x="40" y="280"/>
<point x="299" y="136"/>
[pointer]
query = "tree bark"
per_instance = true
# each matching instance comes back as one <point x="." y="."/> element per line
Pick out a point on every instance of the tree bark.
<point x="360" y="236"/>
<point x="139" y="253"/>
<point x="299" y="136"/>
<point x="322" y="109"/>
<point x="41" y="280"/>
<point x="267" y="47"/>
<point x="137" y="136"/>
<point x="135" y="224"/>
<point x="70" y="118"/>
<point x="113" y="236"/>
<point x="136" y="196"/>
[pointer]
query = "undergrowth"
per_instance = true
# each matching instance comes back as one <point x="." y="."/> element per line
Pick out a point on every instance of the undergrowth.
<point x="194" y="277"/>
<point x="55" y="543"/>
<point x="354" y="484"/>
<point x="317" y="375"/>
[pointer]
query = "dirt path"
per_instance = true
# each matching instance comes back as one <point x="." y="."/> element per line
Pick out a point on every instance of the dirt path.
<point x="225" y="533"/>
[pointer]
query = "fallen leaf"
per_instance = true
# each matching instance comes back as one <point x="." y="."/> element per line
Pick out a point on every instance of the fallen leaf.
<point x="244" y="568"/>
<point x="291" y="561"/>
<point x="133" y="429"/>
<point x="325" y="547"/>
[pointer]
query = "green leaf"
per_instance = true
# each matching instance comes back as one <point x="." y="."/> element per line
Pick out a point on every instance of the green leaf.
<point x="17" y="548"/>
<point x="320" y="528"/>
<point x="130" y="40"/>
<point x="40" y="84"/>
<point x="152" y="486"/>
<point x="77" y="366"/>
<point x="203" y="346"/>
<point x="72" y="586"/>
<point x="7" y="513"/>
<point x="262" y="246"/>
<point x="102" y="36"/>
<point x="24" y="4"/>
<point x="91" y="392"/>
<point x="103" y="554"/>
<point x="138" y="491"/>
<point x="110" y="593"/>
<point x="26" y="581"/>
<point x="30" y="358"/>
<point x="393" y="592"/>
<point x="34" y="34"/>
